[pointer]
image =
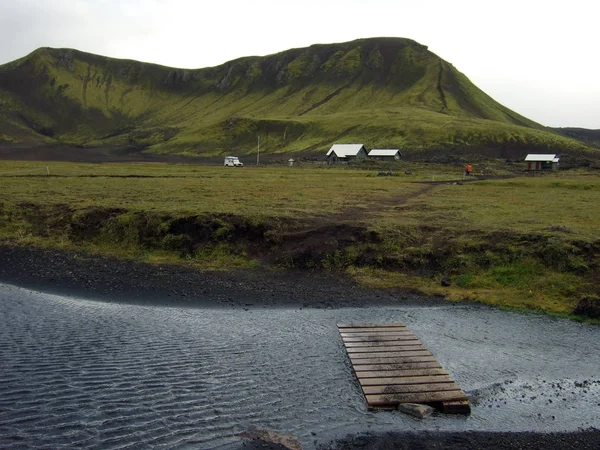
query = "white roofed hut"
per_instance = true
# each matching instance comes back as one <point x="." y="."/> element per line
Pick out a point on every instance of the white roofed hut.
<point x="385" y="154"/>
<point x="542" y="162"/>
<point x="344" y="153"/>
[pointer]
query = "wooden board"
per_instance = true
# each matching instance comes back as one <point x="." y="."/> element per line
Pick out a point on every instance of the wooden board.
<point x="382" y="344"/>
<point x="393" y="366"/>
<point x="406" y="365"/>
<point x="398" y="360"/>
<point x="411" y="388"/>
<point x="426" y="398"/>
<point x="391" y="348"/>
<point x="390" y="381"/>
<point x="401" y="373"/>
<point x="362" y="330"/>
<point x="382" y="338"/>
<point x="374" y="334"/>
<point x="390" y="354"/>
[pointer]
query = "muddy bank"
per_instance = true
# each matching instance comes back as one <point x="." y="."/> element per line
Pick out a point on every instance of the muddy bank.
<point x="69" y="273"/>
<point x="310" y="250"/>
<point x="331" y="244"/>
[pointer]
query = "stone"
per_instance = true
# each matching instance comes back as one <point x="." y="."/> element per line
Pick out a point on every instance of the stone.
<point x="446" y="282"/>
<point x="415" y="410"/>
<point x="270" y="439"/>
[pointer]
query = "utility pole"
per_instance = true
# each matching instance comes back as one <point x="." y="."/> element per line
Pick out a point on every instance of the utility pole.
<point x="258" y="153"/>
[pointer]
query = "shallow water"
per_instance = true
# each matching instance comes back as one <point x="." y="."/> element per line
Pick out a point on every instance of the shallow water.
<point x="79" y="373"/>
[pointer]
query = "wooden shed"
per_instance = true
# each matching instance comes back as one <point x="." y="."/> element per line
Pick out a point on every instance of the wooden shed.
<point x="385" y="154"/>
<point x="344" y="153"/>
<point x="541" y="162"/>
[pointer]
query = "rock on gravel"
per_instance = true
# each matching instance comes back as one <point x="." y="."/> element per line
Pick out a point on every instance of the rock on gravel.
<point x="416" y="410"/>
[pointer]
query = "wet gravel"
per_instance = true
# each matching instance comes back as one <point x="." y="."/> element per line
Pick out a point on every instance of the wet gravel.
<point x="469" y="440"/>
<point x="64" y="272"/>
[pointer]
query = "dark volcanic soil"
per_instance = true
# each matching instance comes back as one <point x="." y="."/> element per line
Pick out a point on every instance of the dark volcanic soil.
<point x="68" y="273"/>
<point x="471" y="440"/>
<point x="583" y="440"/>
<point x="24" y="152"/>
<point x="87" y="155"/>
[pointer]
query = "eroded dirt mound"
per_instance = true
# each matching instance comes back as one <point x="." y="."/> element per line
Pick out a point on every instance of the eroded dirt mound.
<point x="325" y="245"/>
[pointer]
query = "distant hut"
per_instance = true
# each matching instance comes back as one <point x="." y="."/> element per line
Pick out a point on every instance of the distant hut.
<point x="538" y="163"/>
<point x="344" y="153"/>
<point x="385" y="154"/>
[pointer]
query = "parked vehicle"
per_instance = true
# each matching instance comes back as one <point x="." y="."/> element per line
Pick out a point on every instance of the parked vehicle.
<point x="233" y="161"/>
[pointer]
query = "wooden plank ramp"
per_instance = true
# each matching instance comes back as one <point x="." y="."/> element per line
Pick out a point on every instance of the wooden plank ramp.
<point x="393" y="367"/>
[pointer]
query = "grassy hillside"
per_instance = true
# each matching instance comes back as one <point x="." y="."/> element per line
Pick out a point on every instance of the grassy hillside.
<point x="386" y="92"/>
<point x="589" y="137"/>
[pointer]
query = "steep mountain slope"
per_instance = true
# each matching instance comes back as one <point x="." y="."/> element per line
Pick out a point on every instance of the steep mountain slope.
<point x="386" y="92"/>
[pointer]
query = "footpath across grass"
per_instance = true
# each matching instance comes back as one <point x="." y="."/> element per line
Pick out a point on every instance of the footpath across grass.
<point x="521" y="242"/>
<point x="185" y="189"/>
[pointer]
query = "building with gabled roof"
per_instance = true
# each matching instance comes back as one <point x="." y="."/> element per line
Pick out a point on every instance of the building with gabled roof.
<point x="539" y="162"/>
<point x="385" y="154"/>
<point x="340" y="153"/>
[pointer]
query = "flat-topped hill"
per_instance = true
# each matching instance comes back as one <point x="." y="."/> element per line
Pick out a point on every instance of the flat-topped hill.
<point x="384" y="92"/>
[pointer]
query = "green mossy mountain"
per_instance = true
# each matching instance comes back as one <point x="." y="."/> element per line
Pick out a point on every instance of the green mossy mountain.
<point x="383" y="92"/>
<point x="588" y="137"/>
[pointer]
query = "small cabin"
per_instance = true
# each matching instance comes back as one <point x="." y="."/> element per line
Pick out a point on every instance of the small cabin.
<point x="539" y="163"/>
<point x="385" y="154"/>
<point x="344" y="153"/>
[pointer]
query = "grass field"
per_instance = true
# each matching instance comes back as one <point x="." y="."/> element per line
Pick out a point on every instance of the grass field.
<point x="523" y="242"/>
<point x="184" y="189"/>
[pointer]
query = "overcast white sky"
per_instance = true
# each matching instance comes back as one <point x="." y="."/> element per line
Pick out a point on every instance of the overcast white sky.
<point x="539" y="58"/>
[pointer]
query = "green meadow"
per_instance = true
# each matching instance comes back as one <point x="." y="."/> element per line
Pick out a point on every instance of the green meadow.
<point x="525" y="242"/>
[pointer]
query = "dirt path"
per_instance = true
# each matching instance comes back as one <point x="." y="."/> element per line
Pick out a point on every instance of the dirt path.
<point x="358" y="214"/>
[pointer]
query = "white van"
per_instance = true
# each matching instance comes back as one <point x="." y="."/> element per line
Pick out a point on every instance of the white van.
<point x="233" y="161"/>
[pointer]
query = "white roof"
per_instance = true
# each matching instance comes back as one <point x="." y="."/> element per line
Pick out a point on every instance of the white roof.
<point x="544" y="158"/>
<point x="342" y="150"/>
<point x="556" y="160"/>
<point x="384" y="152"/>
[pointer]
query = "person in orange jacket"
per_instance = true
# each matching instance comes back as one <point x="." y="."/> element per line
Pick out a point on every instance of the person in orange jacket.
<point x="468" y="170"/>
